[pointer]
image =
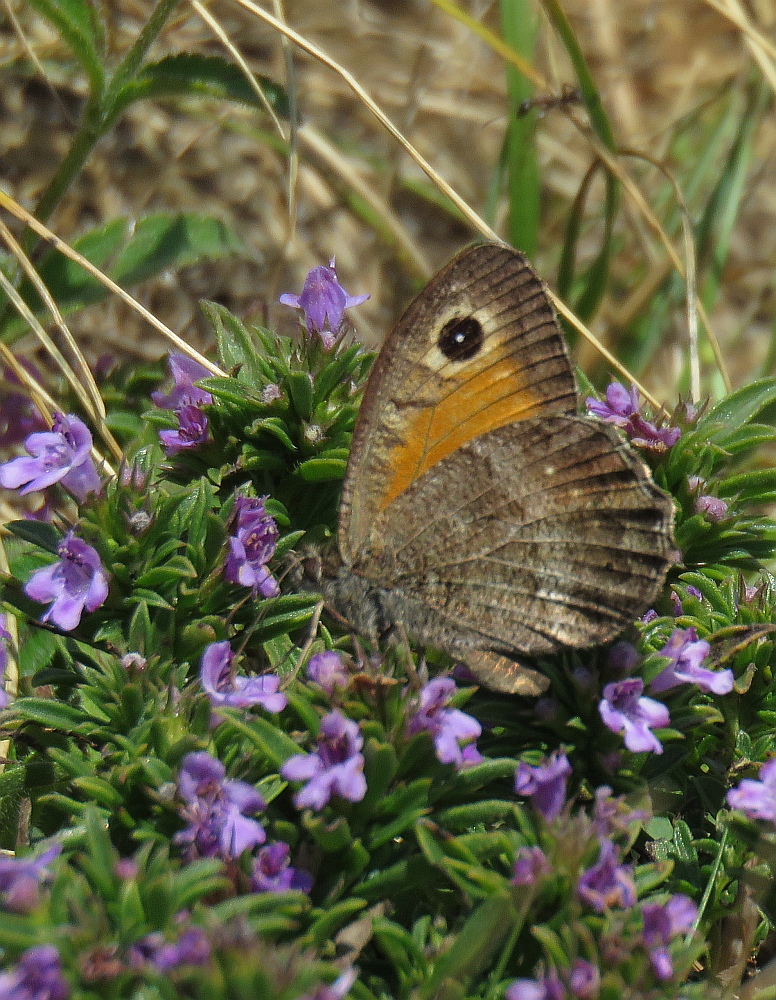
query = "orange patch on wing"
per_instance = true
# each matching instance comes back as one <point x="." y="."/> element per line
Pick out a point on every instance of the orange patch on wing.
<point x="485" y="399"/>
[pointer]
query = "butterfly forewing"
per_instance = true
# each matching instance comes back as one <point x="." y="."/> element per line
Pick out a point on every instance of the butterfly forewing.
<point x="479" y="348"/>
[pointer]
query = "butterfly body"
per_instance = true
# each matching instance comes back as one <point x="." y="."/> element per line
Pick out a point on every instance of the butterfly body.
<point x="479" y="512"/>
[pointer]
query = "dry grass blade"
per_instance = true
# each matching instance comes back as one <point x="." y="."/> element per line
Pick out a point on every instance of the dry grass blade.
<point x="255" y="85"/>
<point x="476" y="221"/>
<point x="762" y="49"/>
<point x="340" y="165"/>
<point x="45" y="404"/>
<point x="654" y="223"/>
<point x="79" y="376"/>
<point x="460" y="203"/>
<point x="234" y="52"/>
<point x="494" y="42"/>
<point x="26" y="313"/>
<point x="64" y="248"/>
<point x="692" y="301"/>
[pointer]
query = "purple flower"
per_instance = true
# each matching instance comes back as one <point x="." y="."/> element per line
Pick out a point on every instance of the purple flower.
<point x="185" y="372"/>
<point x="336" y="769"/>
<point x="624" y="709"/>
<point x="37" y="976"/>
<point x="547" y="987"/>
<point x="531" y="865"/>
<point x="328" y="671"/>
<point x="757" y="799"/>
<point x="685" y="653"/>
<point x="191" y="948"/>
<point x="19" y="417"/>
<point x="645" y="434"/>
<point x="217" y="810"/>
<point x="545" y="784"/>
<point x="76" y="582"/>
<point x="661" y="924"/>
<point x="714" y="508"/>
<point x="224" y="688"/>
<point x="450" y="728"/>
<point x="612" y="815"/>
<point x="623" y="657"/>
<point x="323" y="301"/>
<point x="270" y="393"/>
<point x="585" y="980"/>
<point x="20" y="879"/>
<point x="192" y="430"/>
<point x="59" y="455"/>
<point x="335" y="990"/>
<point x="607" y="883"/>
<point x="126" y="869"/>
<point x="620" y="405"/>
<point x="272" y="871"/>
<point x="621" y="408"/>
<point x="252" y="546"/>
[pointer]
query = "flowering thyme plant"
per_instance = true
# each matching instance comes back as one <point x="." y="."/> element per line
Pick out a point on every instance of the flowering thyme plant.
<point x="205" y="796"/>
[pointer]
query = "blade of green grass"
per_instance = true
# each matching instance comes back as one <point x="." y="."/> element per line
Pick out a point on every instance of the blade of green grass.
<point x="518" y="22"/>
<point x="595" y="280"/>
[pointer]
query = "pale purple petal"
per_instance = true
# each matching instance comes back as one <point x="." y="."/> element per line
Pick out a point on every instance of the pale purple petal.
<point x="624" y="710"/>
<point x="686" y="653"/>
<point x="545" y="784"/>
<point x="324" y="302"/>
<point x="757" y="799"/>
<point x="328" y="671"/>
<point x="76" y="582"/>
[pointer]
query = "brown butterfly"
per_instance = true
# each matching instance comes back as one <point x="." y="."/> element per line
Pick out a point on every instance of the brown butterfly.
<point x="479" y="512"/>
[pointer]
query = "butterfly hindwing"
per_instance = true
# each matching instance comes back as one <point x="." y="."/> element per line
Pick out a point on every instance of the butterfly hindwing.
<point x="542" y="534"/>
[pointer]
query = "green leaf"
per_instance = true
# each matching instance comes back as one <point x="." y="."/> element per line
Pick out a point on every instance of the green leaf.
<point x="18" y="932"/>
<point x="176" y="570"/>
<point x="38" y="532"/>
<point x="150" y="597"/>
<point x="300" y="390"/>
<point x="69" y="284"/>
<point x="735" y="410"/>
<point x="100" y="791"/>
<point x="38" y="650"/>
<point x="164" y="241"/>
<point x="237" y="346"/>
<point x="78" y="22"/>
<point x="47" y="712"/>
<point x="158" y="242"/>
<point x="341" y="368"/>
<point x="271" y="425"/>
<point x="471" y="950"/>
<point x="324" y="469"/>
<point x="724" y="205"/>
<point x="273" y="743"/>
<point x="283" y="614"/>
<point x="596" y="278"/>
<point x="325" y="925"/>
<point x="753" y="487"/>
<point x="189" y="74"/>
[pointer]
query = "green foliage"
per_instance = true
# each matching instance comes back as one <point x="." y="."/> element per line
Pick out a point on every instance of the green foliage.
<point x="413" y="882"/>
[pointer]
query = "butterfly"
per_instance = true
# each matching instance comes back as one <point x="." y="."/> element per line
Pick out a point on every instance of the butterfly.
<point x="480" y="514"/>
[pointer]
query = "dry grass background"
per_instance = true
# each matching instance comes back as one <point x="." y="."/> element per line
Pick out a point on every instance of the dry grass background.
<point x="659" y="65"/>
